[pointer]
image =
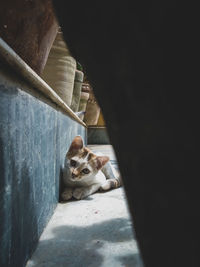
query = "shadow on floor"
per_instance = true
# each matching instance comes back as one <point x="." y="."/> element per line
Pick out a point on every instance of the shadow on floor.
<point x="102" y="244"/>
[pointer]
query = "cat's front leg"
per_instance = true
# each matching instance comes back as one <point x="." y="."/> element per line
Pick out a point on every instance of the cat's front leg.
<point x="67" y="194"/>
<point x="83" y="192"/>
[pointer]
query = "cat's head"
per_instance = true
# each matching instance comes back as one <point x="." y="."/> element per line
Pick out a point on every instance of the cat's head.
<point x="82" y="162"/>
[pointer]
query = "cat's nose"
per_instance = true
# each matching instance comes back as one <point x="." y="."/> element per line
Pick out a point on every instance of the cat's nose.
<point x="74" y="175"/>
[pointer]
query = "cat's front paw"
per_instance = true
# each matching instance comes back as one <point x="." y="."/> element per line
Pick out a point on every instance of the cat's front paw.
<point x="67" y="194"/>
<point x="79" y="193"/>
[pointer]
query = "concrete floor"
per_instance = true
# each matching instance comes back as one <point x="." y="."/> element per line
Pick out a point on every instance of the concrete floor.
<point x="93" y="232"/>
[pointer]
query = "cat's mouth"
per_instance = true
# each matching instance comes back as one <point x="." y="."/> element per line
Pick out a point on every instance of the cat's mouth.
<point x="74" y="178"/>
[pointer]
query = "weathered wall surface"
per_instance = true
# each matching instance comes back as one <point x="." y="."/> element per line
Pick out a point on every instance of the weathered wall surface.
<point x="34" y="137"/>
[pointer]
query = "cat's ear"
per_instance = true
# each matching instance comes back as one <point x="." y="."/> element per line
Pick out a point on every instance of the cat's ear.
<point x="100" y="161"/>
<point x="76" y="145"/>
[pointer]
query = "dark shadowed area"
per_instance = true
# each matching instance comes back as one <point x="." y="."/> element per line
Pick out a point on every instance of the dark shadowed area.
<point x="140" y="58"/>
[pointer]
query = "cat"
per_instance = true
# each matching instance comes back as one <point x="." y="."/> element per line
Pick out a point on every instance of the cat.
<point x="86" y="172"/>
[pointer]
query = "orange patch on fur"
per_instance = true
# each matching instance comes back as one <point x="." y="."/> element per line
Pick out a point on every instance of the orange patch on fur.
<point x="84" y="152"/>
<point x="91" y="156"/>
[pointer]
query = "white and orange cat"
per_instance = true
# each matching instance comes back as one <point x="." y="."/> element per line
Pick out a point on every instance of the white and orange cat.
<point x="85" y="173"/>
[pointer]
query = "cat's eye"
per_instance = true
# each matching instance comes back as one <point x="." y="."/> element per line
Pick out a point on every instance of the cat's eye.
<point x="73" y="163"/>
<point x="85" y="171"/>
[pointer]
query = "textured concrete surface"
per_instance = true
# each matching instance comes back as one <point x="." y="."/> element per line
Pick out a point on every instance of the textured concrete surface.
<point x="93" y="232"/>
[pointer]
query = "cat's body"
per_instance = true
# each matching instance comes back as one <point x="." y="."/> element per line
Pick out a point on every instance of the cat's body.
<point x="86" y="172"/>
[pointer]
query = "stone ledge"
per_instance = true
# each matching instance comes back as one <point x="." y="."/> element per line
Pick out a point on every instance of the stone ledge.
<point x="13" y="60"/>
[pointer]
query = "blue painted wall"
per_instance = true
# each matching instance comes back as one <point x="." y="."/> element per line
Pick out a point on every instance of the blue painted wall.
<point x="34" y="137"/>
